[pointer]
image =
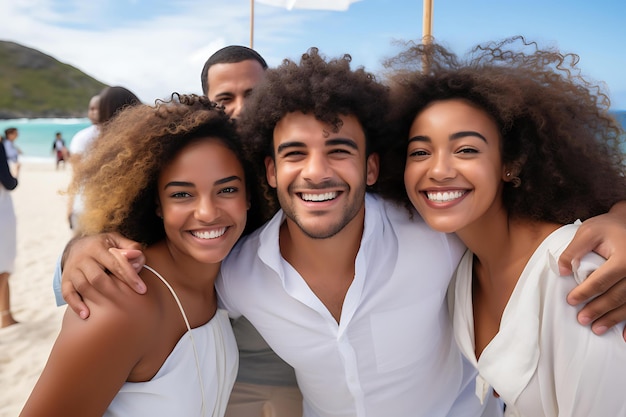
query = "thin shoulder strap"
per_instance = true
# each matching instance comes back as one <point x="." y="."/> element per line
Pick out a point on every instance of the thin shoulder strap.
<point x="193" y="343"/>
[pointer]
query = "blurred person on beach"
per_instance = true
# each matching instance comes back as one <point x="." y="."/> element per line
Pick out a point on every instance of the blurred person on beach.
<point x="12" y="151"/>
<point x="81" y="139"/>
<point x="8" y="237"/>
<point x="174" y="178"/>
<point x="102" y="108"/>
<point x="334" y="289"/>
<point x="509" y="148"/>
<point x="60" y="150"/>
<point x="266" y="385"/>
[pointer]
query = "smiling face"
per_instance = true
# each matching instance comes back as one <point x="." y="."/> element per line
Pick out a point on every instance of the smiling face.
<point x="230" y="84"/>
<point x="454" y="172"/>
<point x="320" y="176"/>
<point x="202" y="199"/>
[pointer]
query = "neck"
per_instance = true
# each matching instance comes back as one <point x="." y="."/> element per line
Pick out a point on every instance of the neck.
<point x="336" y="252"/>
<point x="182" y="271"/>
<point x="326" y="265"/>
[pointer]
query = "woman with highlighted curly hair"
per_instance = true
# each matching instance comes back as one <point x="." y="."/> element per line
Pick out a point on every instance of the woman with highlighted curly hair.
<point x="173" y="178"/>
<point x="508" y="149"/>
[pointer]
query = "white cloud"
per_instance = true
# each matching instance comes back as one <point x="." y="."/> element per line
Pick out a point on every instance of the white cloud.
<point x="152" y="57"/>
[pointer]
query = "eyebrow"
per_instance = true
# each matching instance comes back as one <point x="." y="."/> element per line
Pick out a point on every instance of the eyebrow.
<point x="330" y="142"/>
<point x="454" y="136"/>
<point x="190" y="184"/>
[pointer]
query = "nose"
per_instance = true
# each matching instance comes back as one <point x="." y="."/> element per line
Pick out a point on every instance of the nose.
<point x="235" y="108"/>
<point x="441" y="168"/>
<point x="316" y="167"/>
<point x="207" y="210"/>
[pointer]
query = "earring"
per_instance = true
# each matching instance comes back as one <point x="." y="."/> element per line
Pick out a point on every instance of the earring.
<point x="515" y="180"/>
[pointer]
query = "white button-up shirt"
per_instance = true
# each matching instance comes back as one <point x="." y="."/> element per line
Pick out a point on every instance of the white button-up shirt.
<point x="392" y="354"/>
<point x="542" y="362"/>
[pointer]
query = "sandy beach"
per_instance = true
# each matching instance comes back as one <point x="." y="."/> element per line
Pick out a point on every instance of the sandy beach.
<point x="42" y="231"/>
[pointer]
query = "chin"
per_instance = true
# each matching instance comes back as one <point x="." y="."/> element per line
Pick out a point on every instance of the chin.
<point x="442" y="226"/>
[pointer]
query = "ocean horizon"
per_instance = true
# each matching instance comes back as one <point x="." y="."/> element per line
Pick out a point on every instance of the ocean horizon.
<point x="36" y="136"/>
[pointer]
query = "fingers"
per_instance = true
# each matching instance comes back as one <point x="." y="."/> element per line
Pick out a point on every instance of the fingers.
<point x="606" y="310"/>
<point x="74" y="301"/>
<point x="612" y="318"/>
<point x="585" y="240"/>
<point x="119" y="241"/>
<point x="127" y="271"/>
<point x="609" y="276"/>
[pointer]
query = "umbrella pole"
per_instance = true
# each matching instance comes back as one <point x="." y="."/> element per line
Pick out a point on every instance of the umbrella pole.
<point x="427" y="31"/>
<point x="251" y="24"/>
<point x="427" y="21"/>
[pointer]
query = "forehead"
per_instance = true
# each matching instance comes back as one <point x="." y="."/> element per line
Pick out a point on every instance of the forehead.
<point x="452" y="115"/>
<point x="223" y="76"/>
<point x="306" y="130"/>
<point x="207" y="158"/>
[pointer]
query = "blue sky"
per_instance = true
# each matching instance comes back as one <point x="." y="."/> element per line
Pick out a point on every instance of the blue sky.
<point x="154" y="47"/>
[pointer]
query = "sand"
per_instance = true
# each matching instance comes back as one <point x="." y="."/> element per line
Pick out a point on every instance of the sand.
<point x="42" y="232"/>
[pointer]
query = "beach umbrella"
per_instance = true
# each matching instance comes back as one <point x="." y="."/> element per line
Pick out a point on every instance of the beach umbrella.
<point x="337" y="5"/>
<point x="334" y="5"/>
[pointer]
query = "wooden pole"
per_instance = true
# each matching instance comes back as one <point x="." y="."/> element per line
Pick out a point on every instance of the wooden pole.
<point x="427" y="31"/>
<point x="427" y="21"/>
<point x="251" y="24"/>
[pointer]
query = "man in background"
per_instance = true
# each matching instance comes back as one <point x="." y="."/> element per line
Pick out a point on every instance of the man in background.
<point x="79" y="143"/>
<point x="266" y="385"/>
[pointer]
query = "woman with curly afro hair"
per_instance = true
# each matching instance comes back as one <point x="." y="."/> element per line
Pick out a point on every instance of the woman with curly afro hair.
<point x="172" y="177"/>
<point x="508" y="148"/>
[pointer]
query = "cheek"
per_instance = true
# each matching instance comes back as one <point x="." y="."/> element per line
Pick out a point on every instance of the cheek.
<point x="412" y="176"/>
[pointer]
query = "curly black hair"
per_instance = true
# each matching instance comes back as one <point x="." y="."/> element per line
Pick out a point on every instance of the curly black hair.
<point x="557" y="133"/>
<point x="325" y="88"/>
<point x="118" y="176"/>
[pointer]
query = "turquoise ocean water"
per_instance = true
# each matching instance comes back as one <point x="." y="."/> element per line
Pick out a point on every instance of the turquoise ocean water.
<point x="37" y="135"/>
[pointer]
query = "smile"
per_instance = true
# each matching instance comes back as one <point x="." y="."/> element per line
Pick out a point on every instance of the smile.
<point x="444" y="196"/>
<point x="212" y="234"/>
<point x="319" y="197"/>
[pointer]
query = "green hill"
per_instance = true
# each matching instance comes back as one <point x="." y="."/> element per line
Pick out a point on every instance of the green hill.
<point x="33" y="84"/>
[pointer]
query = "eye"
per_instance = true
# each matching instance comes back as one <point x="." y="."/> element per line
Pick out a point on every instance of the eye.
<point x="416" y="153"/>
<point x="228" y="190"/>
<point x="293" y="154"/>
<point x="467" y="150"/>
<point x="180" y="194"/>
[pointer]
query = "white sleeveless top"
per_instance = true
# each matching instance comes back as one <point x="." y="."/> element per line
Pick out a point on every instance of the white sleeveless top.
<point x="176" y="388"/>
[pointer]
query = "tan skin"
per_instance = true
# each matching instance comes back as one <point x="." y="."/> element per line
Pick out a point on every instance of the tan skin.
<point x="85" y="265"/>
<point x="310" y="159"/>
<point x="455" y="149"/>
<point x="129" y="336"/>
<point x="230" y="84"/>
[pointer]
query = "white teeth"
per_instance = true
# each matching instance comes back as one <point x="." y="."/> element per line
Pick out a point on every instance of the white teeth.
<point x="442" y="197"/>
<point x="213" y="234"/>
<point x="319" y="197"/>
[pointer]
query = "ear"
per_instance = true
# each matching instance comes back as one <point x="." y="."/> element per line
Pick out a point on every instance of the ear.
<point x="159" y="209"/>
<point x="511" y="171"/>
<point x="270" y="171"/>
<point x="506" y="173"/>
<point x="372" y="169"/>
